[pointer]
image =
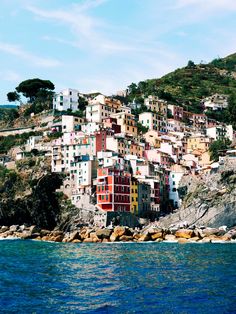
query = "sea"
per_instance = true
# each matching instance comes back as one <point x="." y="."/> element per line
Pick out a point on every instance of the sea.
<point x="44" y="277"/>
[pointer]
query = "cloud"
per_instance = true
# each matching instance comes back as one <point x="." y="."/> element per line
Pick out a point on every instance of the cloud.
<point x="88" y="31"/>
<point x="29" y="57"/>
<point x="209" y="5"/>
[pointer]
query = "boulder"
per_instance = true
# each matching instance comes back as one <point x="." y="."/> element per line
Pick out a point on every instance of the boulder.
<point x="157" y="235"/>
<point x="103" y="233"/>
<point x="114" y="237"/>
<point x="4" y="229"/>
<point x="126" y="238"/>
<point x="205" y="240"/>
<point x="44" y="232"/>
<point x="14" y="228"/>
<point x="88" y="240"/>
<point x="73" y="236"/>
<point x="170" y="237"/>
<point x="76" y="241"/>
<point x="120" y="231"/>
<point x="58" y="238"/>
<point x="194" y="239"/>
<point x="34" y="229"/>
<point x="136" y="236"/>
<point x="105" y="240"/>
<point x="184" y="233"/>
<point x="144" y="237"/>
<point x="182" y="240"/>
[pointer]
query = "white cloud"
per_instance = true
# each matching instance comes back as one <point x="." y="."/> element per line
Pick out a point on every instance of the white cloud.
<point x="29" y="57"/>
<point x="209" y="5"/>
<point x="88" y="31"/>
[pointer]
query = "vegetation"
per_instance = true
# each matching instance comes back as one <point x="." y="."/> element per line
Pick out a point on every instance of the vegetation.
<point x="188" y="86"/>
<point x="8" y="115"/>
<point x="13" y="96"/>
<point x="39" y="92"/>
<point x="7" y="142"/>
<point x="217" y="146"/>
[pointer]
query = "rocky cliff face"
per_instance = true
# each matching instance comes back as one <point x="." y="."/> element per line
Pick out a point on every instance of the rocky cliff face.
<point x="27" y="194"/>
<point x="210" y="200"/>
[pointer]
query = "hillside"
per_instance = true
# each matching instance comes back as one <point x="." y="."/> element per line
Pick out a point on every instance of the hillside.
<point x="210" y="200"/>
<point x="189" y="85"/>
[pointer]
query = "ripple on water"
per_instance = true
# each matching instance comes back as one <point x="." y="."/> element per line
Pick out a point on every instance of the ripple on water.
<point x="38" y="277"/>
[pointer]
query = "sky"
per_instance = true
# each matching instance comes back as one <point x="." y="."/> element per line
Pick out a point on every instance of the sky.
<point x="105" y="45"/>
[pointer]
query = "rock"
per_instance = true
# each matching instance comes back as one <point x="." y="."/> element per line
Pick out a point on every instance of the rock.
<point x="205" y="240"/>
<point x="73" y="236"/>
<point x="85" y="232"/>
<point x="44" y="232"/>
<point x="158" y="240"/>
<point x="4" y="229"/>
<point x="194" y="239"/>
<point x="105" y="240"/>
<point x="76" y="241"/>
<point x="103" y="233"/>
<point x="88" y="240"/>
<point x="23" y="227"/>
<point x="34" y="229"/>
<point x="114" y="237"/>
<point x="136" y="236"/>
<point x="14" y="228"/>
<point x="210" y="231"/>
<point x="46" y="238"/>
<point x="170" y="237"/>
<point x="25" y="235"/>
<point x="120" y="231"/>
<point x="182" y="240"/>
<point x="126" y="238"/>
<point x="95" y="238"/>
<point x="56" y="233"/>
<point x="157" y="235"/>
<point x="144" y="237"/>
<point x="184" y="233"/>
<point x="58" y="238"/>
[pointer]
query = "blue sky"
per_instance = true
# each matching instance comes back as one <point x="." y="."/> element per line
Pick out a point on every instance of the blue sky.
<point x="105" y="45"/>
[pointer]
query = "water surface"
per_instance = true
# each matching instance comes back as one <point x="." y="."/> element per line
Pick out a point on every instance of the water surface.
<point x="40" y="277"/>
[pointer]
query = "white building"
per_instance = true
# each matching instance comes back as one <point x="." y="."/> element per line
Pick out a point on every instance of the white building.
<point x="175" y="176"/>
<point x="69" y="147"/>
<point x="153" y="121"/>
<point x="221" y="131"/>
<point x="66" y="99"/>
<point x="216" y="102"/>
<point x="98" y="109"/>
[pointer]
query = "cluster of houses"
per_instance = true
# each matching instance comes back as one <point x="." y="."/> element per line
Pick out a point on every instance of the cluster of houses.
<point x="115" y="168"/>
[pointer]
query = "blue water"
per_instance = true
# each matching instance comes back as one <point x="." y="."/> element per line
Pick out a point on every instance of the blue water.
<point x="40" y="277"/>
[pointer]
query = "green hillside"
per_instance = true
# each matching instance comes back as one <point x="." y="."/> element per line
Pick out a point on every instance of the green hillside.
<point x="189" y="85"/>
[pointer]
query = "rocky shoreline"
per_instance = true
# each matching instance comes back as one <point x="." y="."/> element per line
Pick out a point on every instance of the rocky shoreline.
<point x="121" y="234"/>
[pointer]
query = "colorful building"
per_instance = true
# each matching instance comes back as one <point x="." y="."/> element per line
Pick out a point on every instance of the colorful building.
<point x="113" y="190"/>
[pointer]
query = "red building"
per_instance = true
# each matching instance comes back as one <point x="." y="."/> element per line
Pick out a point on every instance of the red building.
<point x="113" y="190"/>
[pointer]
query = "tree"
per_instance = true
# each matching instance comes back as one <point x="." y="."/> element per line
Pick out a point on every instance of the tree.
<point x="32" y="88"/>
<point x="191" y="64"/>
<point x="13" y="96"/>
<point x="217" y="146"/>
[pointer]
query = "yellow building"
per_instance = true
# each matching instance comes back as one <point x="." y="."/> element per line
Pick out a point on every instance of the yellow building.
<point x="127" y="123"/>
<point x="134" y="196"/>
<point x="198" y="142"/>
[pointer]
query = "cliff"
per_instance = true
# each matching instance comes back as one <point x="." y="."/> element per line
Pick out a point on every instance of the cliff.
<point x="28" y="194"/>
<point x="210" y="200"/>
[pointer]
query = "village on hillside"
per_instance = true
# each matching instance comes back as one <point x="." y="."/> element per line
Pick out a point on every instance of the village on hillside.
<point x="119" y="165"/>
